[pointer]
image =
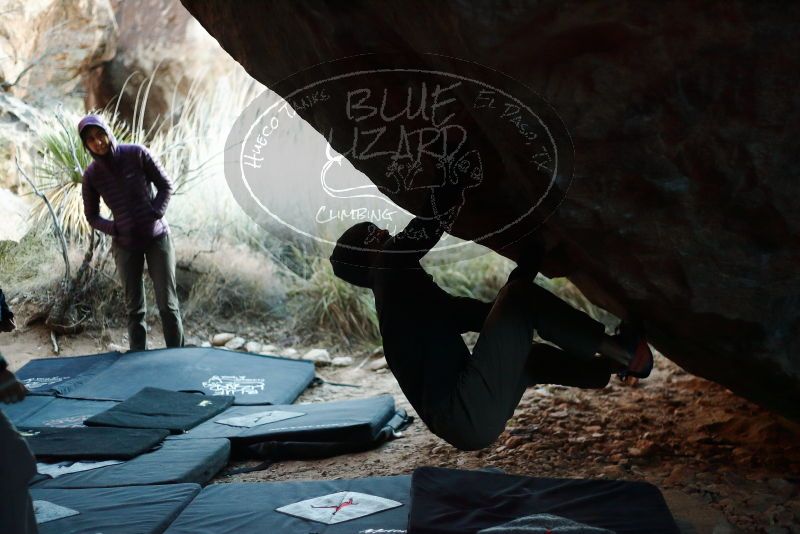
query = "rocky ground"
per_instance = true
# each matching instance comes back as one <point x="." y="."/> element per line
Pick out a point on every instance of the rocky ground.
<point x="723" y="464"/>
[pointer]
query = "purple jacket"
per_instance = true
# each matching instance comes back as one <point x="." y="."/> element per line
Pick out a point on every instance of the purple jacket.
<point x="123" y="178"/>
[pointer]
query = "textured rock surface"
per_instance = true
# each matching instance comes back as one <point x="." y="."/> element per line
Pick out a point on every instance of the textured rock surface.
<point x="47" y="46"/>
<point x="684" y="210"/>
<point x="155" y="36"/>
<point x="18" y="121"/>
<point x="14" y="222"/>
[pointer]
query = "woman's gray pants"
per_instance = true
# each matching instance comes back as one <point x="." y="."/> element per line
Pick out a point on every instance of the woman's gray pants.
<point x="160" y="256"/>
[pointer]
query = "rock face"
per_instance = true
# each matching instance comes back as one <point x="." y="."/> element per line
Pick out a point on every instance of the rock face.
<point x="18" y="122"/>
<point x="14" y="223"/>
<point x="47" y="46"/>
<point x="161" y="37"/>
<point x="684" y="211"/>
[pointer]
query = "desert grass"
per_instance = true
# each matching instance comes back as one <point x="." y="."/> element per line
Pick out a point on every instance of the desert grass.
<point x="230" y="282"/>
<point x="340" y="312"/>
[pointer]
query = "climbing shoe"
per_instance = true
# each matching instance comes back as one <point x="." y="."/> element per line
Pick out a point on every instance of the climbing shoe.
<point x="635" y="344"/>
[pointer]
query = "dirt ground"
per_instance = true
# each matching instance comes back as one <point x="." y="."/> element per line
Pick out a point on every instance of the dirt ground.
<point x="724" y="464"/>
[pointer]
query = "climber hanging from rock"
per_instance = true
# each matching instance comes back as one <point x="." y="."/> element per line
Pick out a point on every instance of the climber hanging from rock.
<point x="464" y="398"/>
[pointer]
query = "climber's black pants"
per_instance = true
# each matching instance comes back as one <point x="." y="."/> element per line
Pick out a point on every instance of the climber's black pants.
<point x="504" y="363"/>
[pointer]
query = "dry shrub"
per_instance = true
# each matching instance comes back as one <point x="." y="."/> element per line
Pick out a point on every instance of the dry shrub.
<point x="33" y="269"/>
<point x="229" y="282"/>
<point x="31" y="264"/>
<point x="480" y="277"/>
<point x="325" y="304"/>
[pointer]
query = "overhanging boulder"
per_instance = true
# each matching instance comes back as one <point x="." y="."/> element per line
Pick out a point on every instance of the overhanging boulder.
<point x="684" y="210"/>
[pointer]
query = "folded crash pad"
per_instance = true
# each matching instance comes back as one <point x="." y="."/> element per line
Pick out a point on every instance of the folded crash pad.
<point x="84" y="443"/>
<point x="174" y="462"/>
<point x="377" y="504"/>
<point x="159" y="408"/>
<point x="305" y="430"/>
<point x="250" y="378"/>
<point x="126" y="510"/>
<point x="453" y="501"/>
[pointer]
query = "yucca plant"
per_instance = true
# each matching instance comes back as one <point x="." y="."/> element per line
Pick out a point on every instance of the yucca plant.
<point x="59" y="173"/>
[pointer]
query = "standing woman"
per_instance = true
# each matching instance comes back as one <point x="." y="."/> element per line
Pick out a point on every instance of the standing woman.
<point x="123" y="175"/>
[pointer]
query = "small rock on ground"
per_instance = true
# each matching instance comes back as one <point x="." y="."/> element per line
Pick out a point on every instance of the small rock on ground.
<point x="252" y="346"/>
<point x="235" y="344"/>
<point x="378" y="364"/>
<point x="342" y="361"/>
<point x="222" y="338"/>
<point x="320" y="356"/>
<point x="192" y="341"/>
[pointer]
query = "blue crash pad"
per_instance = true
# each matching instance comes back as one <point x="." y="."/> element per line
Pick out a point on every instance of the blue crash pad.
<point x="127" y="510"/>
<point x="251" y="378"/>
<point x="175" y="462"/>
<point x="61" y="375"/>
<point x="250" y="508"/>
<point x="350" y="420"/>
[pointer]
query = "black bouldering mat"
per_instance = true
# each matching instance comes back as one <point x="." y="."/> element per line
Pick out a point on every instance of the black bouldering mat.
<point x="85" y="443"/>
<point x="305" y="430"/>
<point x="251" y="508"/>
<point x="61" y="375"/>
<point x="159" y="408"/>
<point x="250" y="378"/>
<point x="127" y="510"/>
<point x="195" y="461"/>
<point x="64" y="413"/>
<point x="452" y="501"/>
